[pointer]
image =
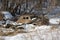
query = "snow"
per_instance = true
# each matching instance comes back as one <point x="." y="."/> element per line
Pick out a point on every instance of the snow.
<point x="54" y="20"/>
<point x="6" y="30"/>
<point x="14" y="23"/>
<point x="1" y="22"/>
<point x="17" y="37"/>
<point x="7" y="15"/>
<point x="29" y="27"/>
<point x="33" y="18"/>
<point x="43" y="32"/>
<point x="44" y="27"/>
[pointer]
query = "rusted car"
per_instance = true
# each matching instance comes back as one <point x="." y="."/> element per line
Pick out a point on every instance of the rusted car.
<point x="26" y="18"/>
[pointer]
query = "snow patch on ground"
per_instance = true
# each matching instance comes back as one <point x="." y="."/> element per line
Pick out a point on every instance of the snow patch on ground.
<point x="54" y="20"/>
<point x="44" y="27"/>
<point x="41" y="33"/>
<point x="7" y="15"/>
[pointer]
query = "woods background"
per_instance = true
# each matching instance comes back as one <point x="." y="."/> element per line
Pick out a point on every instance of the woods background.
<point x="31" y="6"/>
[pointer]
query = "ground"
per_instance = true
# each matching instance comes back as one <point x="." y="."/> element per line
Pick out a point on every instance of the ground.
<point x="44" y="32"/>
